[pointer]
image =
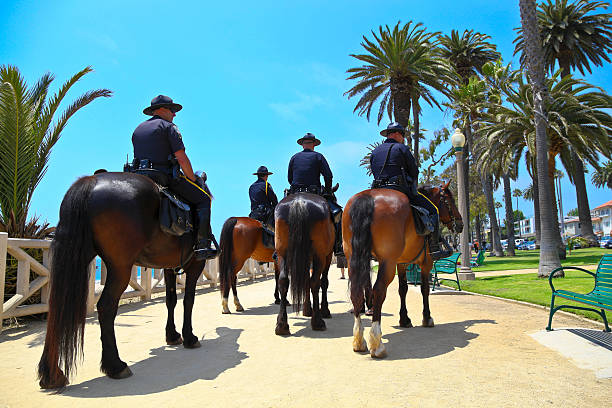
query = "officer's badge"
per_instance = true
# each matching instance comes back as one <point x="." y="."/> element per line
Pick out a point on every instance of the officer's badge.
<point x="177" y="132"/>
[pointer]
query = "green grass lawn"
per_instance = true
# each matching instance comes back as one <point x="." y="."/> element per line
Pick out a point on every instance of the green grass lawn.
<point x="530" y="259"/>
<point x="530" y="288"/>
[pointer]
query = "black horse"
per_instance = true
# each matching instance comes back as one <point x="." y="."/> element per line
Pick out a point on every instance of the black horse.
<point x="115" y="216"/>
<point x="304" y="238"/>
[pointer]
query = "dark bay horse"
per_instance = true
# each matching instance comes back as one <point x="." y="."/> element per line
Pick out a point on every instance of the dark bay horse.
<point x="304" y="239"/>
<point x="113" y="215"/>
<point x="379" y="222"/>
<point x="241" y="239"/>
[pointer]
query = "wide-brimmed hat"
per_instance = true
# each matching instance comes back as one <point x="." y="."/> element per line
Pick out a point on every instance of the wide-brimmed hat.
<point x="162" y="101"/>
<point x="393" y="127"/>
<point x="262" y="171"/>
<point x="310" y="138"/>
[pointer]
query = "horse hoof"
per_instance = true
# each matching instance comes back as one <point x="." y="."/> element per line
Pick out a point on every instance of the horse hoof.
<point x="360" y="346"/>
<point x="125" y="373"/>
<point x="226" y="311"/>
<point x="319" y="326"/>
<point x="326" y="314"/>
<point x="175" y="342"/>
<point x="405" y="324"/>
<point x="428" y="322"/>
<point x="380" y="352"/>
<point x="282" y="330"/>
<point x="196" y="344"/>
<point x="60" y="383"/>
<point x="277" y="301"/>
<point x="239" y="308"/>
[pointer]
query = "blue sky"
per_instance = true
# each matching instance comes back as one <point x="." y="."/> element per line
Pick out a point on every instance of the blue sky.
<point x="252" y="78"/>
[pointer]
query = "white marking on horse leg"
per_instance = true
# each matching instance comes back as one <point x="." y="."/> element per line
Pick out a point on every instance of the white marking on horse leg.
<point x="224" y="305"/>
<point x="239" y="307"/>
<point x="359" y="343"/>
<point x="377" y="348"/>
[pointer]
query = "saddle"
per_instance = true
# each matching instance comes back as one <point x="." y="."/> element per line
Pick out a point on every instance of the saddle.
<point x="424" y="222"/>
<point x="175" y="217"/>
<point x="334" y="208"/>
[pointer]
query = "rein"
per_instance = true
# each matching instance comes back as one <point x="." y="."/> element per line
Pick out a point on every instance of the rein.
<point x="444" y="200"/>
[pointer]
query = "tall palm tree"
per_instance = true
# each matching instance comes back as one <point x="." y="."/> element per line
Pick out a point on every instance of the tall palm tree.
<point x="603" y="176"/>
<point x="27" y="135"/>
<point x="531" y="193"/>
<point x="574" y="36"/>
<point x="549" y="259"/>
<point x="401" y="66"/>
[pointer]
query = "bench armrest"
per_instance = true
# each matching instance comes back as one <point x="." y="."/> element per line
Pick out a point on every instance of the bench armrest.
<point x="444" y="263"/>
<point x="563" y="268"/>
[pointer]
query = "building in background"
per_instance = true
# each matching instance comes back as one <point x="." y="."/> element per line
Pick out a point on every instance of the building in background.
<point x="602" y="219"/>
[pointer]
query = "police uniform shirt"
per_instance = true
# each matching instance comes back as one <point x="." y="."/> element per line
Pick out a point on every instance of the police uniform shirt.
<point x="305" y="168"/>
<point x="260" y="193"/>
<point x="400" y="156"/>
<point x="156" y="139"/>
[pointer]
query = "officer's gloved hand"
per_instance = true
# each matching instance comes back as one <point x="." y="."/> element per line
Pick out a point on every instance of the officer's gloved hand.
<point x="202" y="175"/>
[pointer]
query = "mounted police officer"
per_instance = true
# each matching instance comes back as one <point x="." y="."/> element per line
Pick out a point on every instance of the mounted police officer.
<point x="393" y="166"/>
<point x="158" y="144"/>
<point x="305" y="169"/>
<point x="263" y="199"/>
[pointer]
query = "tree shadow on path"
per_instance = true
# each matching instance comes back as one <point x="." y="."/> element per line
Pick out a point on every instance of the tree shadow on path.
<point x="169" y="368"/>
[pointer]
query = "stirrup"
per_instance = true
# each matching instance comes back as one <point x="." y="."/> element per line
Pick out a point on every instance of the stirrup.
<point x="206" y="252"/>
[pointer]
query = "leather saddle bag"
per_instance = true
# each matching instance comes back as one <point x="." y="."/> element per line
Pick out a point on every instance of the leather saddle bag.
<point x="422" y="220"/>
<point x="174" y="215"/>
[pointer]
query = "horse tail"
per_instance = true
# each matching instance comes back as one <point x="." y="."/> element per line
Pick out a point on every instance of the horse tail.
<point x="361" y="215"/>
<point x="226" y="247"/>
<point x="73" y="250"/>
<point x="299" y="252"/>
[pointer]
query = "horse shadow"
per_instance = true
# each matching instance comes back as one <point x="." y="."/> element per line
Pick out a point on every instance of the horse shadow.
<point x="169" y="367"/>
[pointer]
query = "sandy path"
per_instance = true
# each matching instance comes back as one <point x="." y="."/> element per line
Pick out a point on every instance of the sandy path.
<point x="479" y="354"/>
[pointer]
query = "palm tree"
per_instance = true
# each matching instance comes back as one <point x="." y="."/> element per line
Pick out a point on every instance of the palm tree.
<point x="573" y="37"/>
<point x="603" y="176"/>
<point x="549" y="259"/>
<point x="531" y="193"/>
<point x="401" y="67"/>
<point x="27" y="135"/>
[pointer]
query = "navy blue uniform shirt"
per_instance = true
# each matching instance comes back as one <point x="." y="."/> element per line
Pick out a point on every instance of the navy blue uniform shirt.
<point x="156" y="139"/>
<point x="305" y="168"/>
<point x="261" y="193"/>
<point x="400" y="156"/>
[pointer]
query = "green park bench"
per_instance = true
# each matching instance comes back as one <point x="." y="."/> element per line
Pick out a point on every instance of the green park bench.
<point x="599" y="298"/>
<point x="446" y="266"/>
<point x="478" y="259"/>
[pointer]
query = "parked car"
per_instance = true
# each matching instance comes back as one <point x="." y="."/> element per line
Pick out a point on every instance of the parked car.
<point x="605" y="242"/>
<point x="526" y="245"/>
<point x="504" y="243"/>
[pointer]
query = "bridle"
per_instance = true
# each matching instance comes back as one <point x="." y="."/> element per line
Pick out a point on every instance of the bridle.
<point x="444" y="200"/>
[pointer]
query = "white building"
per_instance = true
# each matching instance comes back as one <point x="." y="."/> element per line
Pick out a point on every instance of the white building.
<point x="602" y="219"/>
<point x="526" y="226"/>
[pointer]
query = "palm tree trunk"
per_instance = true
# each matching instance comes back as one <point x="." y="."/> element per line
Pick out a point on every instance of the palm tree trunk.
<point x="555" y="209"/>
<point x="467" y="154"/>
<point x="415" y="121"/>
<point x="487" y="184"/>
<point x="536" y="211"/>
<point x="402" y="103"/>
<point x="549" y="257"/>
<point x="478" y="228"/>
<point x="584" y="211"/>
<point x="509" y="214"/>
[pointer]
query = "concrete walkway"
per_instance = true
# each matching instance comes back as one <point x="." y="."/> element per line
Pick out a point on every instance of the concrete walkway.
<point x="481" y="353"/>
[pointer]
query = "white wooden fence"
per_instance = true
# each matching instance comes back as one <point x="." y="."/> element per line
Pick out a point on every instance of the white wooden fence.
<point x="150" y="280"/>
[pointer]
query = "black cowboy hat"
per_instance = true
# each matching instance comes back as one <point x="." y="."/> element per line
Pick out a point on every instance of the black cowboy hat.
<point x="161" y="101"/>
<point x="310" y="138"/>
<point x="393" y="127"/>
<point x="262" y="171"/>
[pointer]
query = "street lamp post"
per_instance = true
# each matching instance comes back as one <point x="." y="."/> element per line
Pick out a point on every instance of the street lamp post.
<point x="458" y="140"/>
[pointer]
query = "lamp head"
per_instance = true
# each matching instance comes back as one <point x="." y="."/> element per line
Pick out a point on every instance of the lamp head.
<point x="458" y="140"/>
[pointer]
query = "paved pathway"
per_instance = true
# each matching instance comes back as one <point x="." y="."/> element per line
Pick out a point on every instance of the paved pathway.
<point x="481" y="353"/>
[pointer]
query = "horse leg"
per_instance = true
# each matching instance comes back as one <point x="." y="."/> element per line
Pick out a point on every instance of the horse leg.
<point x="239" y="307"/>
<point x="172" y="336"/>
<point x="307" y="307"/>
<point x="425" y="269"/>
<point x="403" y="289"/>
<point x="192" y="274"/>
<point x="276" y="290"/>
<point x="282" y="326"/>
<point x="226" y="290"/>
<point x="386" y="271"/>
<point x="316" y="322"/>
<point x="116" y="283"/>
<point x="324" y="285"/>
<point x="357" y="298"/>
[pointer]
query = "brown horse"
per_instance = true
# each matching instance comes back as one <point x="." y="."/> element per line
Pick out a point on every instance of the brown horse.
<point x="241" y="239"/>
<point x="379" y="222"/>
<point x="304" y="238"/>
<point x="115" y="216"/>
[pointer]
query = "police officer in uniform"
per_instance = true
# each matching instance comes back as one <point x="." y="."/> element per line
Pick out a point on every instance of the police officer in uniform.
<point x="158" y="143"/>
<point x="393" y="166"/>
<point x="263" y="199"/>
<point x="305" y="169"/>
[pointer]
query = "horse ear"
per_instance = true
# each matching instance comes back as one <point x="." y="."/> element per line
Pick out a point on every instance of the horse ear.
<point x="445" y="186"/>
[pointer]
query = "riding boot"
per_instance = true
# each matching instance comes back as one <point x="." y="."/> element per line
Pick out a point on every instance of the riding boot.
<point x="203" y="249"/>
<point x="338" y="249"/>
<point x="434" y="245"/>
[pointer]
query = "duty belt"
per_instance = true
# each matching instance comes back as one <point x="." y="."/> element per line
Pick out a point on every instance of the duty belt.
<point x="398" y="180"/>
